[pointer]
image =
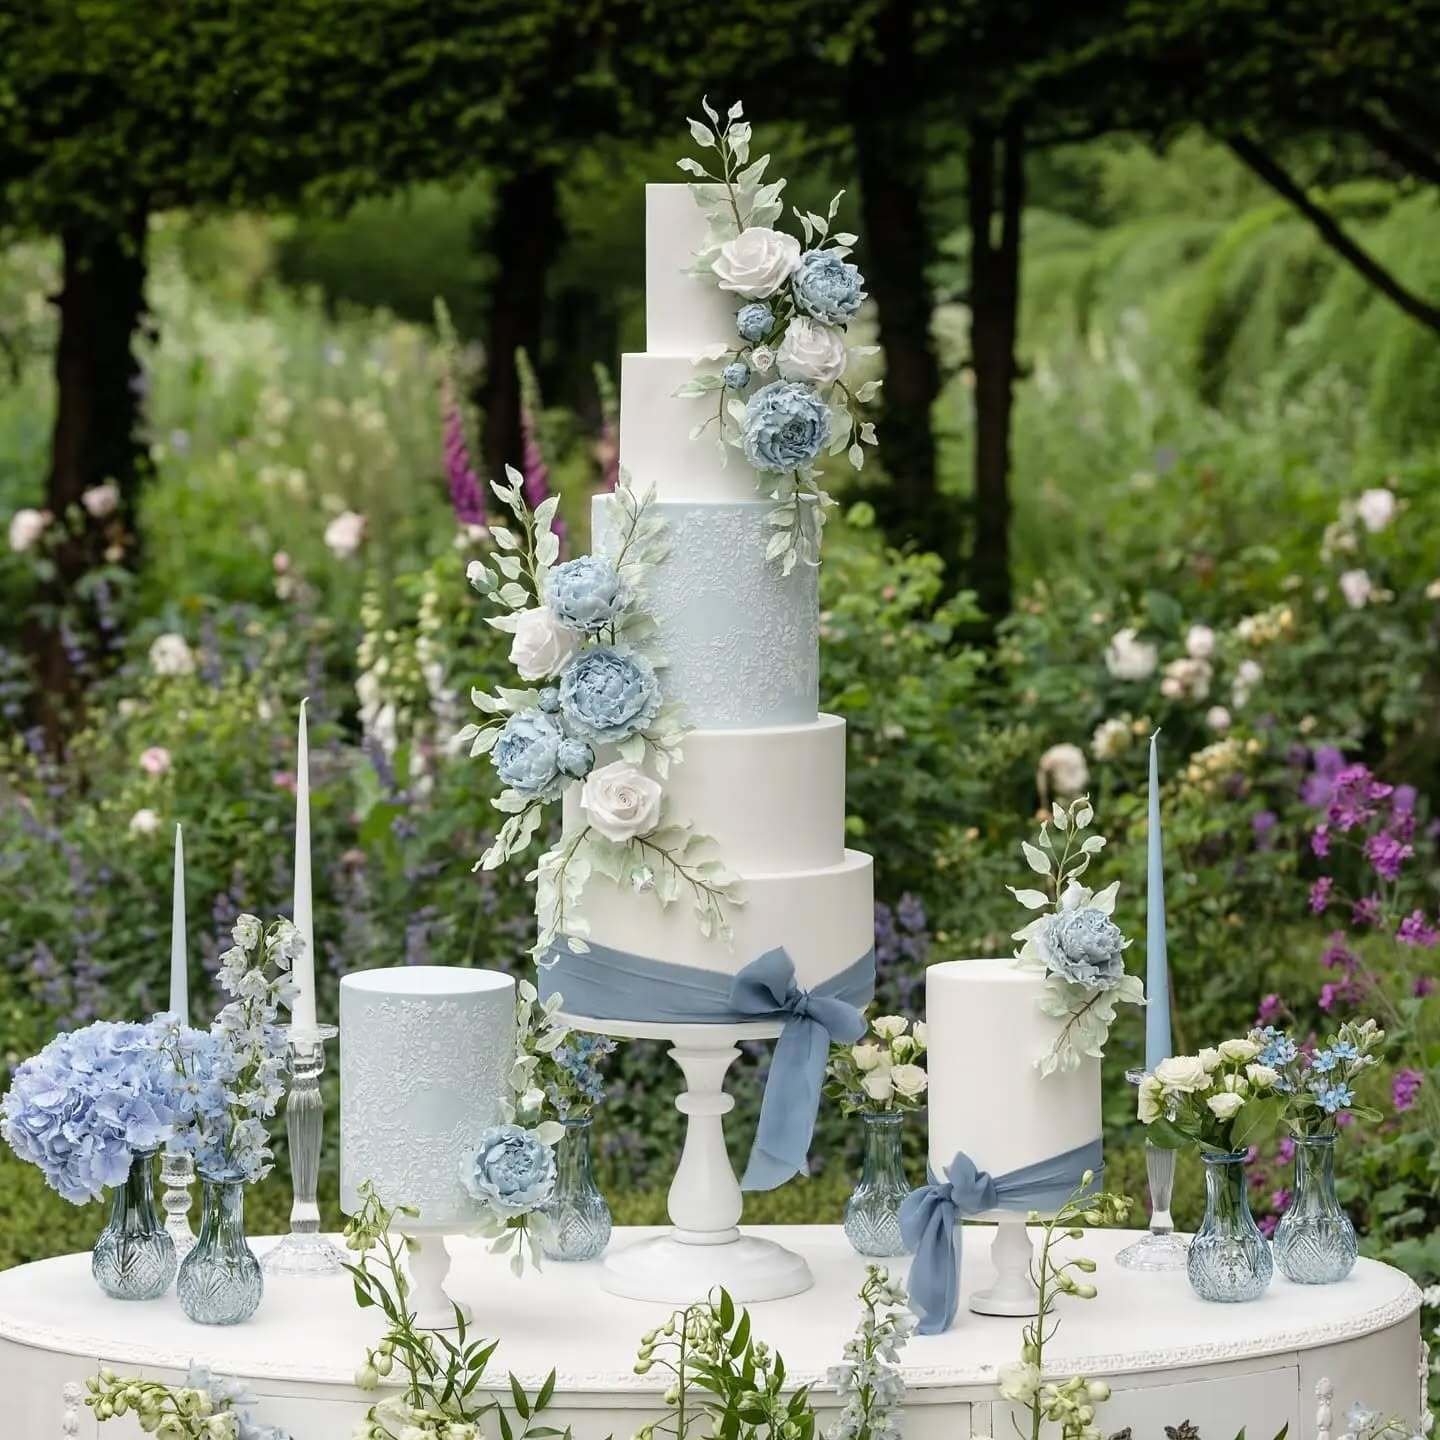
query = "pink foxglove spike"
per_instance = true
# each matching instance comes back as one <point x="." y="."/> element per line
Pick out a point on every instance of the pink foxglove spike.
<point x="533" y="469"/>
<point x="467" y="495"/>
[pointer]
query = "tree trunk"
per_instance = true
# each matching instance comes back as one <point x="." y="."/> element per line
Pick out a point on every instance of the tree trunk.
<point x="96" y="440"/>
<point x="994" y="318"/>
<point x="524" y="239"/>
<point x="890" y="158"/>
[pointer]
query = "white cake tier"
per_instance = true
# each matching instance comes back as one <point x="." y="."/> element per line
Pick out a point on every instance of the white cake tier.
<point x="824" y="919"/>
<point x="740" y="641"/>
<point x="684" y="313"/>
<point x="773" y="800"/>
<point x="986" y="1097"/>
<point x="656" y="448"/>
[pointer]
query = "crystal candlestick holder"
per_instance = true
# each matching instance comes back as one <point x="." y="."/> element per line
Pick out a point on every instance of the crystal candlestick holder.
<point x="1160" y="1248"/>
<point x="177" y="1174"/>
<point x="305" y="1251"/>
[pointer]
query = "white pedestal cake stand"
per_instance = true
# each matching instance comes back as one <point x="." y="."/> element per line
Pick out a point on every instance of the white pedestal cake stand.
<point x="704" y="1246"/>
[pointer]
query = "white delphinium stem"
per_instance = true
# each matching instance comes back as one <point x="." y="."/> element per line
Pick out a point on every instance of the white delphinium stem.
<point x="869" y="1379"/>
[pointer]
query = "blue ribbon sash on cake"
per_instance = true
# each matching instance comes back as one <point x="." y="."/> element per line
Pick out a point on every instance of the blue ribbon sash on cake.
<point x="606" y="984"/>
<point x="931" y="1219"/>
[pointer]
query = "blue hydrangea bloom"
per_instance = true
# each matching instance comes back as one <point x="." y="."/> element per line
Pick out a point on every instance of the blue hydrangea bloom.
<point x="1083" y="946"/>
<point x="527" y="755"/>
<point x="575" y="759"/>
<point x="586" y="594"/>
<point x="786" y="426"/>
<point x="754" y="321"/>
<point x="512" y="1173"/>
<point x="92" y="1098"/>
<point x="608" y="695"/>
<point x="826" y="287"/>
<point x="736" y="375"/>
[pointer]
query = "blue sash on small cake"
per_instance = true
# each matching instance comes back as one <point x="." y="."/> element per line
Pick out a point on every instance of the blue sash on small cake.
<point x="930" y="1219"/>
<point x="607" y="984"/>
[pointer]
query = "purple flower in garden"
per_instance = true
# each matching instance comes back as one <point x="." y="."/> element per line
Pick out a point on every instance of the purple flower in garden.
<point x="1336" y="953"/>
<point x="1387" y="854"/>
<point x="1320" y="894"/>
<point x="1319" y="785"/>
<point x="1263" y="824"/>
<point x="1417" y="931"/>
<point x="467" y="495"/>
<point x="1285" y="1150"/>
<point x="1267" y="1224"/>
<point x="1271" y="1009"/>
<point x="1405" y="1088"/>
<point x="1366" y="911"/>
<point x="1320" y="841"/>
<point x="1403" y="800"/>
<point x="1422" y="986"/>
<point x="1281" y="1199"/>
<point x="1355" y="799"/>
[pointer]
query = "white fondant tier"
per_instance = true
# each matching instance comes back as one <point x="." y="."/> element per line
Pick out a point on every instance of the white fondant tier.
<point x="985" y="1032"/>
<point x="824" y="919"/>
<point x="684" y="313"/>
<point x="425" y="1054"/>
<point x="741" y="642"/>
<point x="773" y="800"/>
<point x="656" y="448"/>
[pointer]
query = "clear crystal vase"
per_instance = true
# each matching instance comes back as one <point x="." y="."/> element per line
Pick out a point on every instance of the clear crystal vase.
<point x="1315" y="1241"/>
<point x="1229" y="1259"/>
<point x="579" y="1217"/>
<point x="220" y="1279"/>
<point x="872" y="1213"/>
<point x="134" y="1258"/>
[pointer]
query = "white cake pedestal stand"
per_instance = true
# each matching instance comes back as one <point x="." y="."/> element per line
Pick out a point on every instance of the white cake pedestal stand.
<point x="704" y="1246"/>
<point x="1012" y="1254"/>
<point x="429" y="1263"/>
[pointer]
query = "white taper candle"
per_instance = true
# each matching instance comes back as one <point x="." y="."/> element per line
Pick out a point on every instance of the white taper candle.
<point x="179" y="965"/>
<point x="302" y="1015"/>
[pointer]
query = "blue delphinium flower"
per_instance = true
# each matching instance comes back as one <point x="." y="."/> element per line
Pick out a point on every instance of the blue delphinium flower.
<point x="1334" y="1097"/>
<point x="233" y="1398"/>
<point x="1083" y="946"/>
<point x="827" y="287"/>
<point x="786" y="426"/>
<point x="586" y="594"/>
<point x="736" y="375"/>
<point x="575" y="759"/>
<point x="512" y="1172"/>
<point x="608" y="695"/>
<point x="527" y="755"/>
<point x="88" y="1102"/>
<point x="754" y="321"/>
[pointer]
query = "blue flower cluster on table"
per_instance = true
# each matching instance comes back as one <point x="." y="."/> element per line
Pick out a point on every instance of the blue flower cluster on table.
<point x="1320" y="1081"/>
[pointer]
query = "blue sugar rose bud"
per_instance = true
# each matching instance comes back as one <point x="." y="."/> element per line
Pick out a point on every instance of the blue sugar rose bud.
<point x="608" y="695"/>
<point x="1085" y="947"/>
<point x="586" y="594"/>
<point x="786" y="426"/>
<point x="754" y="321"/>
<point x="512" y="1173"/>
<point x="576" y="759"/>
<point x="549" y="700"/>
<point x="736" y="375"/>
<point x="527" y="755"/>
<point x="827" y="287"/>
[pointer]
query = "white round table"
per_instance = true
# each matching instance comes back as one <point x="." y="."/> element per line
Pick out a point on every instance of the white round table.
<point x="1300" y="1356"/>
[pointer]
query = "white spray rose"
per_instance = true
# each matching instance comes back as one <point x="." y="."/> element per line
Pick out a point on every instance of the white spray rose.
<point x="887" y="1027"/>
<point x="1357" y="587"/>
<point x="101" y="501"/>
<point x="1063" y="770"/>
<point x="909" y="1080"/>
<point x="919" y="1032"/>
<point x="1210" y="1058"/>
<point x="762" y="359"/>
<point x="1239" y="1051"/>
<point x="170" y="655"/>
<point x="1152" y="1093"/>
<point x="811" y="351"/>
<point x="1262" y="1077"/>
<point x="1226" y="1105"/>
<point x="344" y="534"/>
<point x="26" y="527"/>
<point x="1127" y="657"/>
<point x="621" y="801"/>
<point x="1376" y="508"/>
<point x="879" y="1084"/>
<point x="866" y="1057"/>
<point x="1183" y="1074"/>
<point x="1200" y="642"/>
<point x="757" y="262"/>
<point x="541" y="644"/>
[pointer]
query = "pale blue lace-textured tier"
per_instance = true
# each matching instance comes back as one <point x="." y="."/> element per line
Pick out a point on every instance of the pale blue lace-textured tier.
<point x="607" y="984"/>
<point x="930" y="1219"/>
<point x="741" y="642"/>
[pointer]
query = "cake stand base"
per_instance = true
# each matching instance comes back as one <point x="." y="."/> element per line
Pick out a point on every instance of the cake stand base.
<point x="429" y="1266"/>
<point x="704" y="1248"/>
<point x="1013" y="1292"/>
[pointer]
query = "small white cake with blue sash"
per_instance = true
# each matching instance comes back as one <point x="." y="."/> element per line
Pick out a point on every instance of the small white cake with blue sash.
<point x="762" y="775"/>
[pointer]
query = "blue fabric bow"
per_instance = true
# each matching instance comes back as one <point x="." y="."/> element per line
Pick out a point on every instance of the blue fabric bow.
<point x="608" y="984"/>
<point x="930" y="1219"/>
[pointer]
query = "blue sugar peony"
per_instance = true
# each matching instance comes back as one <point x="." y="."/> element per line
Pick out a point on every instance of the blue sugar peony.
<point x="586" y="594"/>
<point x="527" y="755"/>
<point x="827" y="287"/>
<point x="549" y="700"/>
<point x="786" y="426"/>
<point x="608" y="695"/>
<point x="576" y="759"/>
<point x="512" y="1173"/>
<point x="754" y="321"/>
<point x="88" y="1102"/>
<point x="1083" y="946"/>
<point x="736" y="375"/>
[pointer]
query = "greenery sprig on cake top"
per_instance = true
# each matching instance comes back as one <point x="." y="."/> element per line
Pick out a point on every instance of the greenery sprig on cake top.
<point x="1076" y="945"/>
<point x="583" y="643"/>
<point x="780" y="396"/>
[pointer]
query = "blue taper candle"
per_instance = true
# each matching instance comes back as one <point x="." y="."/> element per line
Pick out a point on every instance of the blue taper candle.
<point x="1157" y="966"/>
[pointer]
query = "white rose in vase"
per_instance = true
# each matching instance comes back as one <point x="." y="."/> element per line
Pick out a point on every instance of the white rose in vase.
<point x="621" y="801"/>
<point x="1226" y="1105"/>
<point x="887" y="1027"/>
<point x="757" y="262"/>
<point x="1183" y="1074"/>
<point x="880" y="1084"/>
<point x="866" y="1057"/>
<point x="1239" y="1051"/>
<point x="811" y="351"/>
<point x="542" y="644"/>
<point x="909" y="1080"/>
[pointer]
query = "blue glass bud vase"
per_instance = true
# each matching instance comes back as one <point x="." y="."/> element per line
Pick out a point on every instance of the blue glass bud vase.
<point x="579" y="1217"/>
<point x="872" y="1213"/>
<point x="220" y="1279"/>
<point x="134" y="1258"/>
<point x="1315" y="1241"/>
<point x="1229" y="1259"/>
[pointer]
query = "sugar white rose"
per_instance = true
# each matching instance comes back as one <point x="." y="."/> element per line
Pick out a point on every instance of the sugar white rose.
<point x="811" y="351"/>
<point x="1226" y="1105"/>
<point x="541" y="644"/>
<point x="909" y="1080"/>
<point x="1239" y="1051"/>
<point x="621" y="801"/>
<point x="887" y="1027"/>
<point x="1127" y="657"/>
<point x="26" y="527"/>
<point x="1183" y="1074"/>
<point x="1376" y="508"/>
<point x="757" y="262"/>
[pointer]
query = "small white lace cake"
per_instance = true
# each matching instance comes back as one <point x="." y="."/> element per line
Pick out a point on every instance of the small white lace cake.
<point x="985" y="1033"/>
